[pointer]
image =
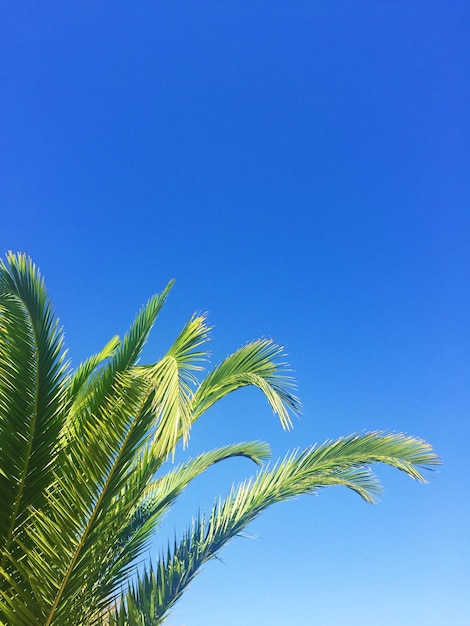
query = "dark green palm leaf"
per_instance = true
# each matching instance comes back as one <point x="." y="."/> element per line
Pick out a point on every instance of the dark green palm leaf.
<point x="32" y="399"/>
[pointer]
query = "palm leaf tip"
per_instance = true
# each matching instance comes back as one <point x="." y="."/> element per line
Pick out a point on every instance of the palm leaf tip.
<point x="414" y="455"/>
<point x="258" y="364"/>
<point x="409" y="454"/>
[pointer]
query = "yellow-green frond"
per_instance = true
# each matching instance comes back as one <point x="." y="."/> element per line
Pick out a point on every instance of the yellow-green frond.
<point x="261" y="364"/>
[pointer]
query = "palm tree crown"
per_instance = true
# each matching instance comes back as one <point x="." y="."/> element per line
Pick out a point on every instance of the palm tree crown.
<point x="81" y="455"/>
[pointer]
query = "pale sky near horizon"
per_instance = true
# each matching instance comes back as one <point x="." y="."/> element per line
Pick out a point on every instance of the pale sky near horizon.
<point x="301" y="169"/>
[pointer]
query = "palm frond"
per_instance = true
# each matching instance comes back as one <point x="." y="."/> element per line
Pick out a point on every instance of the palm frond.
<point x="134" y="340"/>
<point x="172" y="379"/>
<point x="261" y="364"/>
<point x="85" y="369"/>
<point x="99" y="381"/>
<point x="107" y="425"/>
<point x="93" y="479"/>
<point x="82" y="454"/>
<point x="32" y="394"/>
<point x="132" y="520"/>
<point x="342" y="462"/>
<point x="118" y="432"/>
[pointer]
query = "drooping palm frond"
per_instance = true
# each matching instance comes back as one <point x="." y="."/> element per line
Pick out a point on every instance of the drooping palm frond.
<point x="115" y="407"/>
<point x="82" y="454"/>
<point x="343" y="462"/>
<point x="260" y="364"/>
<point x="133" y="530"/>
<point x="172" y="380"/>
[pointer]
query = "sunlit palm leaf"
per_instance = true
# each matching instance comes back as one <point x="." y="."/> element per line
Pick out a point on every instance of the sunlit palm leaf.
<point x="173" y="381"/>
<point x="342" y="462"/>
<point x="261" y="364"/>
<point x="133" y="526"/>
<point x="100" y="381"/>
<point x="82" y="454"/>
<point x="84" y="370"/>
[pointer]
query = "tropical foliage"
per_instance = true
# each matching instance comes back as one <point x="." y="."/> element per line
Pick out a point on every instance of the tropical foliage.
<point x="83" y="454"/>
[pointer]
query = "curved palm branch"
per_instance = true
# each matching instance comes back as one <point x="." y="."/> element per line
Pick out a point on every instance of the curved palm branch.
<point x="132" y="531"/>
<point x="82" y="454"/>
<point x="258" y="364"/>
<point x="343" y="462"/>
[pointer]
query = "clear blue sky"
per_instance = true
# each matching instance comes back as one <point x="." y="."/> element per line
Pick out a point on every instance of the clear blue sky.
<point x="301" y="169"/>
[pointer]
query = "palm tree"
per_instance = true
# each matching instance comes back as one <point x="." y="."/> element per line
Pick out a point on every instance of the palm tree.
<point x="83" y="456"/>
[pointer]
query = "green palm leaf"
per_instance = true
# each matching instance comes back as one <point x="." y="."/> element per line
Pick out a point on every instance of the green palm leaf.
<point x="32" y="396"/>
<point x="87" y="461"/>
<point x="342" y="462"/>
<point x="83" y="372"/>
<point x="31" y="389"/>
<point x="172" y="380"/>
<point x="260" y="364"/>
<point x="133" y="526"/>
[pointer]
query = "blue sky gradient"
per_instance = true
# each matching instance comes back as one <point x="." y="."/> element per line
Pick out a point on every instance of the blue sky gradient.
<point x="301" y="169"/>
